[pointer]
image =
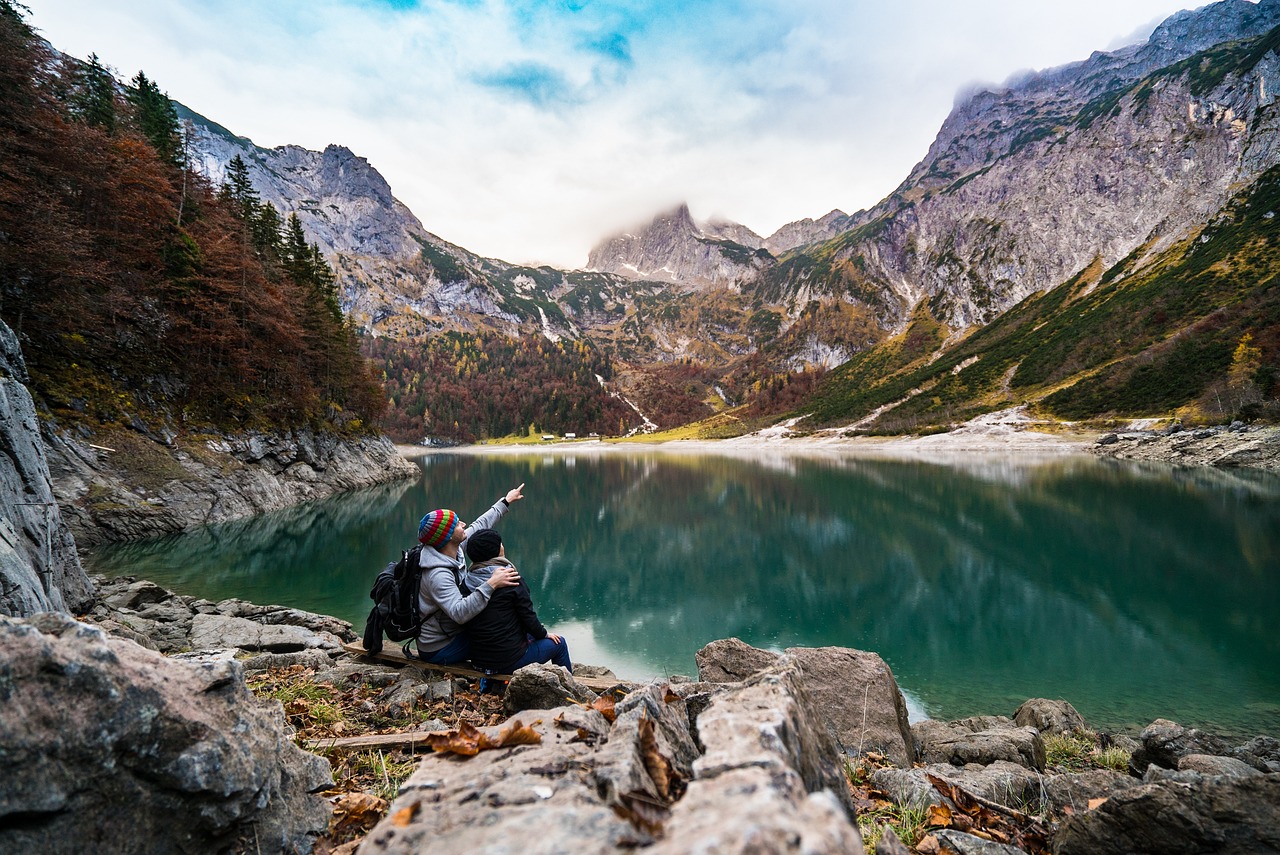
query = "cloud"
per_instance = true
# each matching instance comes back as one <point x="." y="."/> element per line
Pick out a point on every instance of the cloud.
<point x="535" y="83"/>
<point x="529" y="129"/>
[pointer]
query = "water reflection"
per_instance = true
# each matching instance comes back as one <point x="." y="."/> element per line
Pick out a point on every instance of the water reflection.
<point x="1133" y="592"/>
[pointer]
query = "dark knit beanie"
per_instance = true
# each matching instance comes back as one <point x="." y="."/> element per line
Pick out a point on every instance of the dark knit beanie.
<point x="483" y="545"/>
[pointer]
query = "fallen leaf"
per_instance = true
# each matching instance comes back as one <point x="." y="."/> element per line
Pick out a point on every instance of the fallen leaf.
<point x="1097" y="803"/>
<point x="670" y="697"/>
<point x="605" y="706"/>
<point x="514" y="733"/>
<point x="660" y="770"/>
<point x="928" y="845"/>
<point x="939" y="816"/>
<point x="404" y="816"/>
<point x="357" y="811"/>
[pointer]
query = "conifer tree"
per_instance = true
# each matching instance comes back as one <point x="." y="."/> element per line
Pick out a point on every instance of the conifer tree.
<point x="238" y="189"/>
<point x="157" y="119"/>
<point x="95" y="102"/>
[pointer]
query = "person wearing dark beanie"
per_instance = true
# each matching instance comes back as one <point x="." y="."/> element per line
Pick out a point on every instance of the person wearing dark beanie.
<point x="507" y="635"/>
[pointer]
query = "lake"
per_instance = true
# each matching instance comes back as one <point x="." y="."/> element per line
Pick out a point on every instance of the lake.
<point x="1134" y="592"/>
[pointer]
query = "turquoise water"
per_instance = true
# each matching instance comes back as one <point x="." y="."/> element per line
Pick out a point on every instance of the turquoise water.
<point x="1135" y="593"/>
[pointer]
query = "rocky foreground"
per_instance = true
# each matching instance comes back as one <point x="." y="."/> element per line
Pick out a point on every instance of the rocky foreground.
<point x="132" y="730"/>
<point x="1221" y="446"/>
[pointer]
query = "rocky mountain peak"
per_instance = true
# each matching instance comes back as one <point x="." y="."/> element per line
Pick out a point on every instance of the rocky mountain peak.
<point x="674" y="248"/>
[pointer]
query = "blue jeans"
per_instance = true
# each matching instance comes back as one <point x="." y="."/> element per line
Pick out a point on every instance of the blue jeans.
<point x="545" y="650"/>
<point x="452" y="653"/>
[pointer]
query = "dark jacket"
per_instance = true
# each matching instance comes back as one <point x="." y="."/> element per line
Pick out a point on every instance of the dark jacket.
<point x="499" y="634"/>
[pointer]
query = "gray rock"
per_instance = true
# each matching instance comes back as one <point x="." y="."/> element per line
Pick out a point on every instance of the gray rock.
<point x="967" y="844"/>
<point x="401" y="699"/>
<point x="957" y="744"/>
<point x="890" y="844"/>
<point x="533" y="799"/>
<point x="106" y="741"/>
<point x="1261" y="752"/>
<point x="1048" y="716"/>
<point x="224" y="631"/>
<point x="1005" y="783"/>
<point x="282" y="616"/>
<point x="1232" y="816"/>
<point x="1075" y="790"/>
<point x="1163" y="742"/>
<point x="731" y="660"/>
<point x="128" y="593"/>
<point x="1108" y="439"/>
<point x="219" y="480"/>
<point x="316" y="660"/>
<point x="856" y="693"/>
<point x="1207" y="764"/>
<point x="764" y="784"/>
<point x="854" y="689"/>
<point x="769" y="780"/>
<point x="543" y="687"/>
<point x="39" y="567"/>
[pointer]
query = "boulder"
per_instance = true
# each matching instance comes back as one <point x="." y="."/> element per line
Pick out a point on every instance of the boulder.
<point x="768" y="782"/>
<point x="854" y="689"/>
<point x="982" y="740"/>
<point x="108" y="746"/>
<point x="959" y="843"/>
<point x="537" y="795"/>
<point x="401" y="699"/>
<point x="39" y="567"/>
<point x="225" y="631"/>
<point x="1261" y="752"/>
<point x="543" y="687"/>
<point x="1048" y="716"/>
<point x="1207" y="764"/>
<point x="1230" y="816"/>
<point x="1075" y="790"/>
<point x="1163" y="742"/>
<point x="732" y="660"/>
<point x="1005" y="783"/>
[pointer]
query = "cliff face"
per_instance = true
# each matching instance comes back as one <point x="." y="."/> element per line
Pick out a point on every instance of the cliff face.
<point x="39" y="568"/>
<point x="1125" y="152"/>
<point x="139" y="488"/>
<point x="392" y="272"/>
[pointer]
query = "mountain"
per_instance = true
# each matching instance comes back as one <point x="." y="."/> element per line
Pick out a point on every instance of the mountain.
<point x="1093" y="171"/>
<point x="675" y="249"/>
<point x="1027" y="185"/>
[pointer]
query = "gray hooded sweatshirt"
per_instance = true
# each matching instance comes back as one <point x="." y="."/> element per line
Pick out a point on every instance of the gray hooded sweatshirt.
<point x="440" y="601"/>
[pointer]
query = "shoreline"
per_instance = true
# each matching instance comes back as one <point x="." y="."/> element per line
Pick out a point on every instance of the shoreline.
<point x="1008" y="436"/>
<point x="1000" y="434"/>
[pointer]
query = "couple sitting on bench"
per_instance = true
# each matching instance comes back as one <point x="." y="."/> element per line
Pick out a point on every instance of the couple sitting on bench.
<point x="483" y="613"/>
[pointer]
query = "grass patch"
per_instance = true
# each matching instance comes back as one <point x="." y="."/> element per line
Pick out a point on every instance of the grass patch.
<point x="1081" y="751"/>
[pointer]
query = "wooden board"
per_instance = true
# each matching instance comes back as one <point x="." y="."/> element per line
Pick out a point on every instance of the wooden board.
<point x="392" y="654"/>
<point x="406" y="741"/>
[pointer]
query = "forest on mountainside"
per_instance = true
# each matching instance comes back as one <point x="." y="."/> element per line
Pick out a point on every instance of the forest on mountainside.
<point x="465" y="387"/>
<point x="1193" y="332"/>
<point x="140" y="293"/>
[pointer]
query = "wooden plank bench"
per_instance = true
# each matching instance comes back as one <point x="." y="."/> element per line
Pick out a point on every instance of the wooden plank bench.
<point x="392" y="654"/>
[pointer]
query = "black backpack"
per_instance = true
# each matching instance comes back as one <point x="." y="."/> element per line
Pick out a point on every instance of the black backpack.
<point x="395" y="596"/>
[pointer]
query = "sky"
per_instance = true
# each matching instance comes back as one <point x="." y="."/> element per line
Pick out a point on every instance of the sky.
<point x="530" y="131"/>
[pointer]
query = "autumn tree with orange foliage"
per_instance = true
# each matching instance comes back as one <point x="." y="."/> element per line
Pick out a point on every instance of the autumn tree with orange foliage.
<point x="126" y="307"/>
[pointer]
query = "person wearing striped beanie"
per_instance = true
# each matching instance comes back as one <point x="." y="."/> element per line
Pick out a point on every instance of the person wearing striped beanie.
<point x="444" y="604"/>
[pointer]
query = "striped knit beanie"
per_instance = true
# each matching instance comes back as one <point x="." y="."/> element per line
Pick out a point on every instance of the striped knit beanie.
<point x="437" y="527"/>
